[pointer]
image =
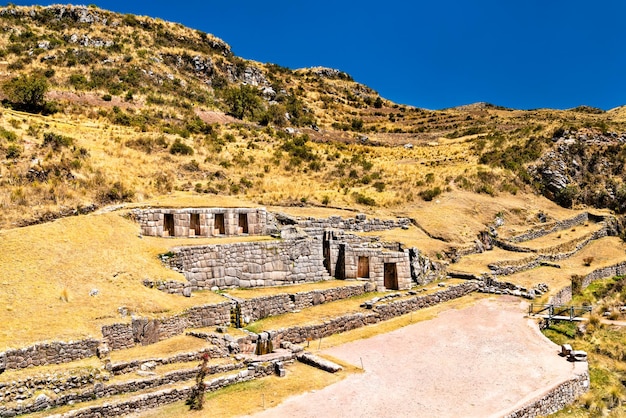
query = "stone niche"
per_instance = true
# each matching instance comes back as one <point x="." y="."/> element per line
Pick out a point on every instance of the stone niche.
<point x="201" y="222"/>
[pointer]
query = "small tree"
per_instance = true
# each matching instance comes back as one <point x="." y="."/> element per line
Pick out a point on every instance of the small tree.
<point x="243" y="101"/>
<point x="196" y="397"/>
<point x="26" y="92"/>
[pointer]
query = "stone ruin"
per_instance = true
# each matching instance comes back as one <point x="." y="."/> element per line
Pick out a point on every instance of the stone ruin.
<point x="310" y="249"/>
<point x="201" y="222"/>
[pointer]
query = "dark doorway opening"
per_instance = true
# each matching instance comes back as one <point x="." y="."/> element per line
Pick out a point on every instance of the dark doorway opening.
<point x="326" y="251"/>
<point x="340" y="269"/>
<point x="243" y="222"/>
<point x="168" y="224"/>
<point x="194" y="224"/>
<point x="219" y="223"/>
<point x="363" y="270"/>
<point x="391" y="276"/>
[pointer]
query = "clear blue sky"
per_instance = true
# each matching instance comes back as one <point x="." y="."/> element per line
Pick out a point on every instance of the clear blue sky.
<point x="433" y="54"/>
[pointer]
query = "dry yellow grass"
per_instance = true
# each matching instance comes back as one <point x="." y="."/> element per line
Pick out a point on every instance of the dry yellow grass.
<point x="166" y="348"/>
<point x="46" y="264"/>
<point x="275" y="290"/>
<point x="605" y="252"/>
<point x="320" y="313"/>
<point x="250" y="397"/>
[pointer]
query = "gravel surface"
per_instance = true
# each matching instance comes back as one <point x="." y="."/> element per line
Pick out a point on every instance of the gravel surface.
<point x="476" y="362"/>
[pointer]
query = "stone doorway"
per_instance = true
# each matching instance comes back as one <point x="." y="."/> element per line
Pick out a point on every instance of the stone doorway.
<point x="194" y="224"/>
<point x="340" y="268"/>
<point x="218" y="225"/>
<point x="363" y="270"/>
<point x="243" y="222"/>
<point x="168" y="225"/>
<point x="326" y="252"/>
<point x="391" y="276"/>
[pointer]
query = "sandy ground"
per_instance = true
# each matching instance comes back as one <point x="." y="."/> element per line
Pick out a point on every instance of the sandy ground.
<point x="476" y="362"/>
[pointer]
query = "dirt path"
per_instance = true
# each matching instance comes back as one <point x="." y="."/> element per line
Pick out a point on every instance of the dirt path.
<point x="475" y="362"/>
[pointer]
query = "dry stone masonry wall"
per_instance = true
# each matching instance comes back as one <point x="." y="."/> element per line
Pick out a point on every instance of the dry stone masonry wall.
<point x="359" y="223"/>
<point x="249" y="264"/>
<point x="48" y="353"/>
<point x="201" y="222"/>
<point x="555" y="399"/>
<point x="300" y="334"/>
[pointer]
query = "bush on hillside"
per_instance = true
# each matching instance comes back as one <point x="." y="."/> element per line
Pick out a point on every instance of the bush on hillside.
<point x="26" y="92"/>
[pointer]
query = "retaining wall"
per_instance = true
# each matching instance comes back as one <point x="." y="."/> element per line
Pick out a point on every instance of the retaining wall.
<point x="250" y="264"/>
<point x="148" y="331"/>
<point x="565" y="295"/>
<point x="48" y="353"/>
<point x="359" y="223"/>
<point x="166" y="396"/>
<point x="555" y="399"/>
<point x="551" y="227"/>
<point x="262" y="307"/>
<point x="299" y="334"/>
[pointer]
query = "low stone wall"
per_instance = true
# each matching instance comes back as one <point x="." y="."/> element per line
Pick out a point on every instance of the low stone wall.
<point x="118" y="336"/>
<point x="508" y="267"/>
<point x="250" y="264"/>
<point x="167" y="396"/>
<point x="565" y="295"/>
<point x="559" y="251"/>
<point x="168" y="286"/>
<point x="299" y="334"/>
<point x="125" y="367"/>
<point x="149" y="331"/>
<point x="562" y="297"/>
<point x="359" y="223"/>
<point x="551" y="227"/>
<point x="258" y="308"/>
<point x="25" y="388"/>
<point x="555" y="399"/>
<point x="48" y="353"/>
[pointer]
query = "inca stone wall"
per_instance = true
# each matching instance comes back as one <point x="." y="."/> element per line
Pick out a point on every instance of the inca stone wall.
<point x="163" y="397"/>
<point x="383" y="312"/>
<point x="359" y="223"/>
<point x="551" y="227"/>
<point x="555" y="399"/>
<point x="48" y="353"/>
<point x="151" y="330"/>
<point x="201" y="222"/>
<point x="346" y="251"/>
<point x="250" y="264"/>
<point x="262" y="307"/>
<point x="565" y="295"/>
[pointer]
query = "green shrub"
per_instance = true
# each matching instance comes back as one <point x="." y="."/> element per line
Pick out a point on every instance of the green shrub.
<point x="13" y="151"/>
<point x="26" y="92"/>
<point x="180" y="148"/>
<point x="430" y="194"/>
<point x="56" y="141"/>
<point x="363" y="200"/>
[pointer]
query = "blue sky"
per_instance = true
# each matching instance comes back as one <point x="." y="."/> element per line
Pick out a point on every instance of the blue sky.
<point x="432" y="54"/>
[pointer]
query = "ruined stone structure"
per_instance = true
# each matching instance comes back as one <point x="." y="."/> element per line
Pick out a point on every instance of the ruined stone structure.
<point x="351" y="257"/>
<point x="201" y="222"/>
<point x="311" y="250"/>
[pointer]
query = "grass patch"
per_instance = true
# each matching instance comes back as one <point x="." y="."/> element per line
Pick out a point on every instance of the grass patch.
<point x="277" y="290"/>
<point x="166" y="348"/>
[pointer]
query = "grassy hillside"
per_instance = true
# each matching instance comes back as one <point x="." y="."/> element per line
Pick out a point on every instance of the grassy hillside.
<point x="137" y="107"/>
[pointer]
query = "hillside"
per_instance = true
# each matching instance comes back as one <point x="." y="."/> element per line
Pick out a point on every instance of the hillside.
<point x="136" y="107"/>
<point x="104" y="113"/>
